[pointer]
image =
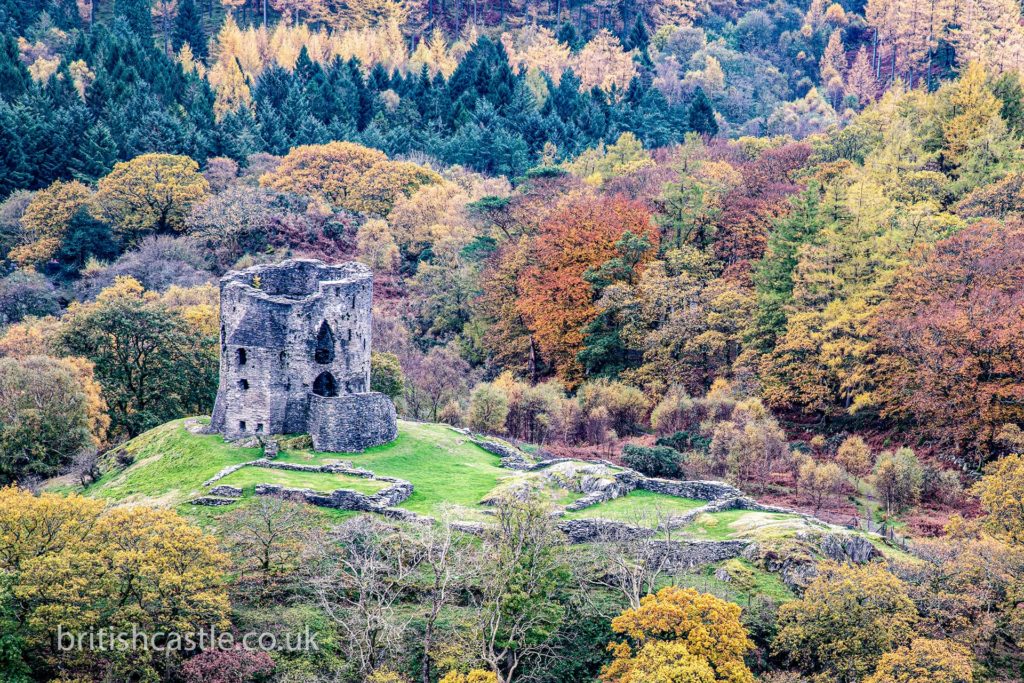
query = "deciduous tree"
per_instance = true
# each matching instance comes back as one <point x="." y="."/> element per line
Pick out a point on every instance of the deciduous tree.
<point x="150" y="193"/>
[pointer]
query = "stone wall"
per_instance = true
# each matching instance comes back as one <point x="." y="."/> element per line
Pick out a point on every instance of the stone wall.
<point x="700" y="490"/>
<point x="351" y="423"/>
<point x="345" y="499"/>
<point x="596" y="529"/>
<point x="683" y="555"/>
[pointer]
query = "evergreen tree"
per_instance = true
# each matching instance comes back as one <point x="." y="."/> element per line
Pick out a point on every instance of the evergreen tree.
<point x="638" y="38"/>
<point x="567" y="34"/>
<point x="773" y="277"/>
<point x="188" y="28"/>
<point x="701" y="116"/>
<point x="94" y="155"/>
<point x="14" y="77"/>
<point x="138" y="15"/>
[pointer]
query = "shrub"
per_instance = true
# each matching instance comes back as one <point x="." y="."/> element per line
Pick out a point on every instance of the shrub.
<point x="685" y="441"/>
<point x="488" y="409"/>
<point x="656" y="461"/>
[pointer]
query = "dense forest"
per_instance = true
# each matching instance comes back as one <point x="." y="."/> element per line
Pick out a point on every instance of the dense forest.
<point x="771" y="243"/>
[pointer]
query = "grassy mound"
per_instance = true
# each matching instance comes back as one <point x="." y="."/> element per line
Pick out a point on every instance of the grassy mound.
<point x="450" y="474"/>
<point x="171" y="463"/>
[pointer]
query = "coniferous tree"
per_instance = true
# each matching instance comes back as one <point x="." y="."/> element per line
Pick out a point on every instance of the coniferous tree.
<point x="701" y="116"/>
<point x="188" y="28"/>
<point x="138" y="15"/>
<point x="638" y="38"/>
<point x="94" y="155"/>
<point x="14" y="77"/>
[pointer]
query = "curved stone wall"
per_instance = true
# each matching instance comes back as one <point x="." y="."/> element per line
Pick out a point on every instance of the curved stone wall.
<point x="351" y="423"/>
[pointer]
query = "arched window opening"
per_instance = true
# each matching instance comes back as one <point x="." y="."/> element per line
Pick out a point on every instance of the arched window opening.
<point x="325" y="385"/>
<point x="324" y="345"/>
<point x="242" y="356"/>
<point x="243" y="384"/>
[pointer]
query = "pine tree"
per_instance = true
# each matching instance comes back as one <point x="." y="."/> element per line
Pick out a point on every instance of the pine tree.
<point x="188" y="28"/>
<point x="95" y="154"/>
<point x="773" y="278"/>
<point x="639" y="38"/>
<point x="701" y="116"/>
<point x="14" y="77"/>
<point x="567" y="34"/>
<point x="138" y="15"/>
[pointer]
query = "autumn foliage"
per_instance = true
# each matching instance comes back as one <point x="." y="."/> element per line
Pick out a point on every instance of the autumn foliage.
<point x="951" y="338"/>
<point x="679" y="634"/>
<point x="557" y="303"/>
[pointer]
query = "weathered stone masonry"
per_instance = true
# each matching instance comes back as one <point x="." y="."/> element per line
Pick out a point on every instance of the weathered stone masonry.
<point x="295" y="356"/>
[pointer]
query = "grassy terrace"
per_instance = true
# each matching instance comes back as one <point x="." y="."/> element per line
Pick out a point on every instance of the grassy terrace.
<point x="445" y="467"/>
<point x="721" y="526"/>
<point x="639" y="507"/>
<point x="322" y="482"/>
<point x="448" y="471"/>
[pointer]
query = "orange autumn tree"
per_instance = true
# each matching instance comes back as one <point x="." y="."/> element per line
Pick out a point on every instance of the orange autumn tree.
<point x="950" y="340"/>
<point x="556" y="302"/>
<point x="679" y="634"/>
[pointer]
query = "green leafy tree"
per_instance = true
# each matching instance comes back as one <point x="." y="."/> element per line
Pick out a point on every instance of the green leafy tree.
<point x="150" y="361"/>
<point x="44" y="421"/>
<point x="386" y="374"/>
<point x="849" y="617"/>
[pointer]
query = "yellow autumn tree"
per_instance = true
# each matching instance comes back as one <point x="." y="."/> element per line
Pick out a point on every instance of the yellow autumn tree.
<point x="601" y="164"/>
<point x="971" y="107"/>
<point x="849" y="617"/>
<point x="328" y="171"/>
<point x="150" y="193"/>
<point x="603" y="63"/>
<point x="925" y="661"/>
<point x="377" y="190"/>
<point x="46" y="220"/>
<point x="71" y="562"/>
<point x="1001" y="492"/>
<point x="473" y="676"/>
<point x="679" y="634"/>
<point x="348" y="176"/>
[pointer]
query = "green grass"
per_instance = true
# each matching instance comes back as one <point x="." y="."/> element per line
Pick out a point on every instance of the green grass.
<point x="209" y="517"/>
<point x="762" y="584"/>
<point x="639" y="507"/>
<point x="445" y="467"/>
<point x="170" y="466"/>
<point x="721" y="526"/>
<point x="323" y="482"/>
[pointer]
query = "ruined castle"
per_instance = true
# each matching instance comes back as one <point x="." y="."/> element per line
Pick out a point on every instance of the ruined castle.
<point x="295" y="356"/>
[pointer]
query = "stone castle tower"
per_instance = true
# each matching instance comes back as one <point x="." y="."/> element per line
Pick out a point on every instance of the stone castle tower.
<point x="295" y="356"/>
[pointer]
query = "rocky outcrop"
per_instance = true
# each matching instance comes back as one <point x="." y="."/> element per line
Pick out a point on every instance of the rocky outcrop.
<point x="511" y="458"/>
<point x="848" y="548"/>
<point x="796" y="559"/>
